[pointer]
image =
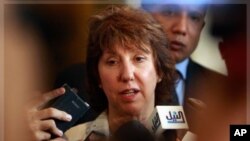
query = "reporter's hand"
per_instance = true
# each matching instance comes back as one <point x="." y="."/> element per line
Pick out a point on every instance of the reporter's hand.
<point x="40" y="120"/>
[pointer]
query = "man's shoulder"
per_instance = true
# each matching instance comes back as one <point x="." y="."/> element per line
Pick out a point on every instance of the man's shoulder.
<point x="197" y="69"/>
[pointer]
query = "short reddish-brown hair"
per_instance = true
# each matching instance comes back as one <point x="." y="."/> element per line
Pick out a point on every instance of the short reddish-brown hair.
<point x="126" y="26"/>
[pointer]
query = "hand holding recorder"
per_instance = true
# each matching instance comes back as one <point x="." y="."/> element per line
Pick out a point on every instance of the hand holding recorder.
<point x="52" y="113"/>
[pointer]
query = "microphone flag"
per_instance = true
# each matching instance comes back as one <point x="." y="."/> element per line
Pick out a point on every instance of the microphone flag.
<point x="166" y="118"/>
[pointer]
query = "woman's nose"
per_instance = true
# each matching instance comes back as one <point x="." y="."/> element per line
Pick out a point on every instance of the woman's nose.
<point x="127" y="72"/>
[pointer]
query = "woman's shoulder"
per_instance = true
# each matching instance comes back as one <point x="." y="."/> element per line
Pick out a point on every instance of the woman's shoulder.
<point x="81" y="131"/>
<point x="77" y="133"/>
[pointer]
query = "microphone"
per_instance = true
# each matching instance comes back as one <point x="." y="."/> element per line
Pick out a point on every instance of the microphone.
<point x="167" y="118"/>
<point x="162" y="124"/>
<point x="96" y="136"/>
<point x="132" y="131"/>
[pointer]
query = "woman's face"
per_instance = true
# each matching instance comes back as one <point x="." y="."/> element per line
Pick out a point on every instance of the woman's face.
<point x="128" y="77"/>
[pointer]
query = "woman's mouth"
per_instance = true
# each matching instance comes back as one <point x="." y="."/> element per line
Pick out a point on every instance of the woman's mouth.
<point x="130" y="91"/>
<point x="129" y="94"/>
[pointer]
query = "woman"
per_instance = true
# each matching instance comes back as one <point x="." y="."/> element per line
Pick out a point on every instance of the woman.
<point x="129" y="72"/>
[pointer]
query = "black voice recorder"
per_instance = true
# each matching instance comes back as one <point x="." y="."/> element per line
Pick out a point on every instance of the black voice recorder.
<point x="72" y="104"/>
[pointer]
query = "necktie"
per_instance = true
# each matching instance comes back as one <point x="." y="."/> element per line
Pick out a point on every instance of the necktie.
<point x="178" y="94"/>
<point x="175" y="91"/>
<point x="175" y="98"/>
<point x="179" y="88"/>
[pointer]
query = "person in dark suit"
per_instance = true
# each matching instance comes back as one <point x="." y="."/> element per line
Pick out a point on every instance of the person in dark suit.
<point x="197" y="87"/>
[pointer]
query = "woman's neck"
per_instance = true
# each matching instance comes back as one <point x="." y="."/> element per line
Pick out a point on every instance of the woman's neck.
<point x="116" y="118"/>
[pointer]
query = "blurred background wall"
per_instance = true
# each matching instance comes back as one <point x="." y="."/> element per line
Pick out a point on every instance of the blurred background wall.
<point x="1" y="73"/>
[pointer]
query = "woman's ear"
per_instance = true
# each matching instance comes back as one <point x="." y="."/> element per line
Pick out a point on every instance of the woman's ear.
<point x="159" y="79"/>
<point x="160" y="76"/>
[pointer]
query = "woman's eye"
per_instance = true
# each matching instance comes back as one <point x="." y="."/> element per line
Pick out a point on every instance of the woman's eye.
<point x="112" y="62"/>
<point x="140" y="58"/>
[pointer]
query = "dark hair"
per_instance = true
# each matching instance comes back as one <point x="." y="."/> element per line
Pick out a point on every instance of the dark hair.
<point x="125" y="25"/>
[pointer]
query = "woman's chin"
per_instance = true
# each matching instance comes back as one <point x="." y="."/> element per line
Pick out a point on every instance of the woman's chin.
<point x="132" y="110"/>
